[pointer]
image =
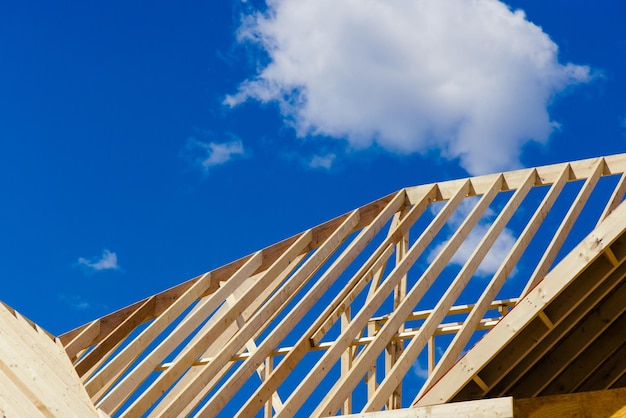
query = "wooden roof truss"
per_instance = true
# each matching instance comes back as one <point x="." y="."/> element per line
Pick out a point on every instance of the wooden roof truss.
<point x="362" y="313"/>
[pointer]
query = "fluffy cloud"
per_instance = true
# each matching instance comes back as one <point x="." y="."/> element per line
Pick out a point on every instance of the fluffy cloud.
<point x="107" y="261"/>
<point x="206" y="154"/>
<point x="468" y="77"/>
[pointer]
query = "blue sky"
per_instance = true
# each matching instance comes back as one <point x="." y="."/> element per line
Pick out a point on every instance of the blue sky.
<point x="142" y="144"/>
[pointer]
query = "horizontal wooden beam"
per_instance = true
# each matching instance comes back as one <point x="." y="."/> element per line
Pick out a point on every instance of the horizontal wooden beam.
<point x="615" y="164"/>
<point x="493" y="408"/>
<point x="605" y="403"/>
<point x="455" y="310"/>
<point x="407" y="334"/>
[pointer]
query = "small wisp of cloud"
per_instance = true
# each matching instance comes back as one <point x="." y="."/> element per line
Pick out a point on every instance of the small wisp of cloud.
<point x="106" y="261"/>
<point x="322" y="161"/>
<point x="75" y="302"/>
<point x="419" y="370"/>
<point x="206" y="155"/>
<point x="80" y="303"/>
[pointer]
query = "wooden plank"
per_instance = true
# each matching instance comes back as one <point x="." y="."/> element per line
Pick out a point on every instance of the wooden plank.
<point x="270" y="385"/>
<point x="236" y="288"/>
<point x="499" y="305"/>
<point x="338" y="393"/>
<point x="616" y="164"/>
<point x="83" y="339"/>
<point x="269" y="407"/>
<point x="560" y="277"/>
<point x="15" y="403"/>
<point x="20" y="396"/>
<point x="608" y="253"/>
<point x="372" y="327"/>
<point x="103" y="414"/>
<point x="255" y="325"/>
<point x="405" y="216"/>
<point x="395" y="347"/>
<point x="564" y="228"/>
<point x="371" y="378"/>
<point x="606" y="403"/>
<point x="346" y="361"/>
<point x="493" y="408"/>
<point x="346" y="383"/>
<point x="493" y="287"/>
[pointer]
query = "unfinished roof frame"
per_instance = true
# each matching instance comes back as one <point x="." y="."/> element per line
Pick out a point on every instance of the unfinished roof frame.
<point x="192" y="348"/>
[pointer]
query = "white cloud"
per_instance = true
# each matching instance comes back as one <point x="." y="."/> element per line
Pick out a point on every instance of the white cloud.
<point x="494" y="257"/>
<point x="80" y="303"/>
<point x="419" y="370"/>
<point x="206" y="155"/>
<point x="74" y="301"/>
<point x="322" y="161"/>
<point x="468" y="77"/>
<point x="498" y="251"/>
<point x="107" y="261"/>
